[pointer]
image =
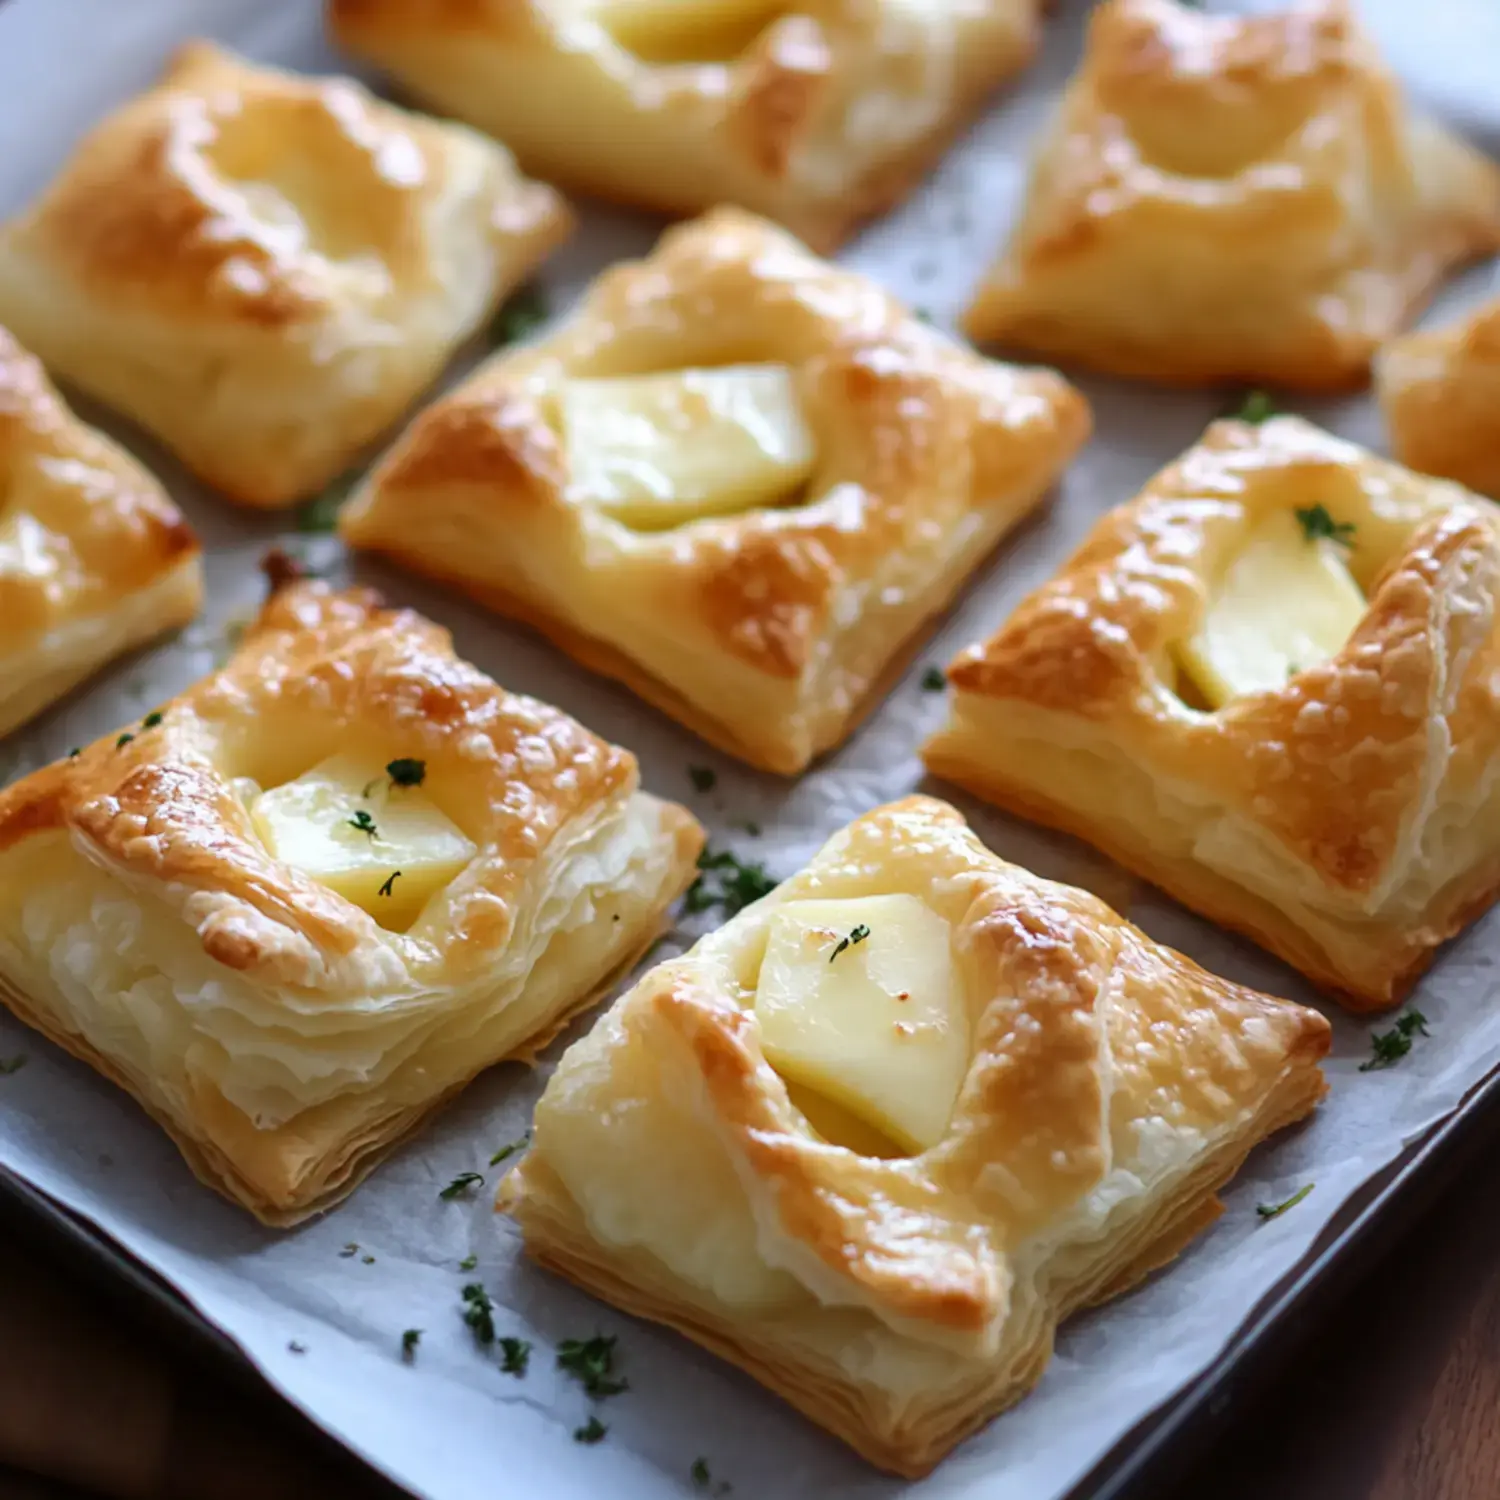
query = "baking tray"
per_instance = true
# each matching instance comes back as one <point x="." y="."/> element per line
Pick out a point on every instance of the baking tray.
<point x="1140" y="1465"/>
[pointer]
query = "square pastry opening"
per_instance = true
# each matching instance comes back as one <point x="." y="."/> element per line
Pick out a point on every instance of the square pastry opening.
<point x="95" y="559"/>
<point x="739" y="479"/>
<point x="300" y="905"/>
<point x="877" y="1136"/>
<point x="1234" y="197"/>
<point x="818" y="116"/>
<point x="1266" y="684"/>
<point x="265" y="270"/>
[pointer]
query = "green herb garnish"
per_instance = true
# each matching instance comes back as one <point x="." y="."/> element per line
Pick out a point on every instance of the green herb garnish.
<point x="406" y="772"/>
<point x="297" y="1348"/>
<point x="322" y="514"/>
<point x="9" y="1065"/>
<point x="75" y="752"/>
<point x="505" y="1152"/>
<point x="389" y="888"/>
<point x="468" y="1263"/>
<point x="409" y="1341"/>
<point x="934" y="680"/>
<point x="479" y="1313"/>
<point x="515" y="1355"/>
<point x="1317" y="523"/>
<point x="462" y="1185"/>
<point x="367" y="1260"/>
<point x="591" y="1431"/>
<point x="124" y="740"/>
<point x="591" y="1362"/>
<point x="703" y="1478"/>
<point x="151" y="720"/>
<point x="729" y="882"/>
<point x="363" y="822"/>
<point x="1391" y="1046"/>
<point x="523" y="314"/>
<point x="753" y="829"/>
<point x="349" y="1251"/>
<point x="1275" y="1210"/>
<point x="703" y="777"/>
<point x="858" y="935"/>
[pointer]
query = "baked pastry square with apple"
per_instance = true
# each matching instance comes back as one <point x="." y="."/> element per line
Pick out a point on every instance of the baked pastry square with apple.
<point x="818" y="115"/>
<point x="95" y="559"/>
<point x="1266" y="684"/>
<point x="266" y="270"/>
<point x="875" y="1138"/>
<point x="299" y="906"/>
<point x="1234" y="198"/>
<point x="1439" y="389"/>
<point x="739" y="479"/>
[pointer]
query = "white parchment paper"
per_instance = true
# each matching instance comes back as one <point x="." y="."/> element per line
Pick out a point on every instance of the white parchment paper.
<point x="451" y="1425"/>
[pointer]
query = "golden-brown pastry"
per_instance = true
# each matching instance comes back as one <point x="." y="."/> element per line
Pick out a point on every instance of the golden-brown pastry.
<point x="265" y="270"/>
<point x="740" y="480"/>
<point x="299" y="906"/>
<point x="1440" y="391"/>
<point x="1234" y="198"/>
<point x="94" y="558"/>
<point x="1270" y="684"/>
<point x="817" y="115"/>
<point x="877" y="1137"/>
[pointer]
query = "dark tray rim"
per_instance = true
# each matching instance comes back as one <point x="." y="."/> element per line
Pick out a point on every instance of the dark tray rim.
<point x="1139" y="1465"/>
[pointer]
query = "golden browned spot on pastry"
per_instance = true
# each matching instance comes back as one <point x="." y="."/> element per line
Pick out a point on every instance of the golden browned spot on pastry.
<point x="824" y="473"/>
<point x="219" y="890"/>
<point x="264" y="269"/>
<point x="1107" y="1089"/>
<point x="1331" y="793"/>
<point x="816" y="116"/>
<point x="1267" y="170"/>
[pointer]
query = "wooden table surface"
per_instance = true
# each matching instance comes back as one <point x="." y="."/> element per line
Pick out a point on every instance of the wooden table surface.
<point x="1393" y="1393"/>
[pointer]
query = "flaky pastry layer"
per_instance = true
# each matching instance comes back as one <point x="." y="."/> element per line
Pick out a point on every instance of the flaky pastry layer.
<point x="266" y="270"/>
<point x="1348" y="820"/>
<point x="283" y="1036"/>
<point x="1234" y="198"/>
<point x="903" y="1302"/>
<point x="1440" y="392"/>
<point x="819" y="117"/>
<point x="770" y="632"/>
<point x="94" y="557"/>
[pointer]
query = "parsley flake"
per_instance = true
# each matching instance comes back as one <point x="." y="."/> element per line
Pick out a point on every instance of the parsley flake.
<point x="934" y="680"/>
<point x="363" y="823"/>
<point x="753" y="829"/>
<point x="857" y="935"/>
<point x="468" y="1263"/>
<point x="151" y="720"/>
<point x="349" y="1251"/>
<point x="515" y="1355"/>
<point x="505" y="1152"/>
<point x="591" y="1362"/>
<point x="322" y="515"/>
<point x="703" y="1479"/>
<point x="479" y="1313"/>
<point x="1389" y="1047"/>
<point x="1275" y="1210"/>
<point x="297" y="1348"/>
<point x="409" y="1341"/>
<point x="591" y="1431"/>
<point x="9" y="1065"/>
<point x="461" y="1186"/>
<point x="1317" y="523"/>
<point x="523" y="314"/>
<point x="406" y="772"/>
<point x="728" y="882"/>
<point x="1257" y="407"/>
<point x="367" y="1260"/>
<point x="704" y="778"/>
<point x="75" y="752"/>
<point x="388" y="889"/>
<point x="124" y="740"/>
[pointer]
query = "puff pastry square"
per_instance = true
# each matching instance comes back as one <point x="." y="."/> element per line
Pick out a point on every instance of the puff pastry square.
<point x="94" y="558"/>
<point x="1234" y="198"/>
<point x="771" y="629"/>
<point x="283" y="1035"/>
<point x="1344" y="816"/>
<point x="265" y="270"/>
<point x="1108" y="1089"/>
<point x="817" y="115"/>
<point x="1440" y="392"/>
